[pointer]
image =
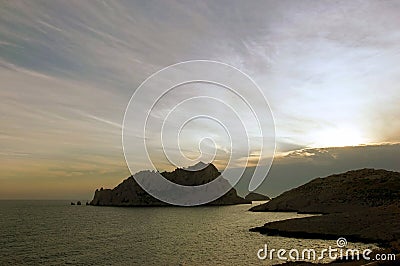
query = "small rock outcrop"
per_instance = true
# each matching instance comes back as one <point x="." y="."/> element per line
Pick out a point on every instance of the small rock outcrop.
<point x="130" y="193"/>
<point x="253" y="196"/>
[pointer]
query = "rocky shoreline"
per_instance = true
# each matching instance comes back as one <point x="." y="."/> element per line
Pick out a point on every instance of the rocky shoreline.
<point x="361" y="205"/>
<point x="382" y="227"/>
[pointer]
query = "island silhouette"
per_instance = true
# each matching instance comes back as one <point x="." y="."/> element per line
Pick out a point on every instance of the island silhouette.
<point x="130" y="193"/>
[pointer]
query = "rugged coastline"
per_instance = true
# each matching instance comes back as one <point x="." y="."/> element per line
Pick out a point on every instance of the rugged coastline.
<point x="361" y="205"/>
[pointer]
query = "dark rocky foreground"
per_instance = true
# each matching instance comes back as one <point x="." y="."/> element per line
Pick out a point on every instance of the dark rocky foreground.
<point x="130" y="193"/>
<point x="371" y="225"/>
<point x="361" y="205"/>
<point x="346" y="192"/>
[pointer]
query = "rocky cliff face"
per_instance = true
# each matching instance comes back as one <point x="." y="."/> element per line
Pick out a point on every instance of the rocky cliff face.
<point x="130" y="193"/>
<point x="360" y="205"/>
<point x="340" y="193"/>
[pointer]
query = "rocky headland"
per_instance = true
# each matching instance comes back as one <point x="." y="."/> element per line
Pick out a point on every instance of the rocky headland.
<point x="130" y="193"/>
<point x="360" y="205"/>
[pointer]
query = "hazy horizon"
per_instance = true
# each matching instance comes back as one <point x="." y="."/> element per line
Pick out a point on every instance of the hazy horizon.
<point x="288" y="171"/>
<point x="68" y="70"/>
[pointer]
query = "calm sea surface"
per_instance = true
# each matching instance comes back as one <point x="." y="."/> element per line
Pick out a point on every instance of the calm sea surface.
<point x="55" y="233"/>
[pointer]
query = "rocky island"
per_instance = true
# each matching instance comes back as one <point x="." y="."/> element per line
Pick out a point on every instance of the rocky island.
<point x="130" y="193"/>
<point x="360" y="205"/>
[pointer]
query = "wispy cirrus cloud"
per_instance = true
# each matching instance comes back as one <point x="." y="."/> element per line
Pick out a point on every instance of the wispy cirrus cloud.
<point x="68" y="69"/>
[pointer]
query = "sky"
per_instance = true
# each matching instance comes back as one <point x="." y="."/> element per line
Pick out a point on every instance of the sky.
<point x="68" y="69"/>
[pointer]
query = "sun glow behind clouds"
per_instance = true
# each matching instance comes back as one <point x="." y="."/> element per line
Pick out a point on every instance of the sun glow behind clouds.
<point x="338" y="137"/>
<point x="67" y="71"/>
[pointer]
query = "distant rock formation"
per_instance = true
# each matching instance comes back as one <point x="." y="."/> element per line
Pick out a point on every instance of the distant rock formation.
<point x="253" y="196"/>
<point x="130" y="193"/>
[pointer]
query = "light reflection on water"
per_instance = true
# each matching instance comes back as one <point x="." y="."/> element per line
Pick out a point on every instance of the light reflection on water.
<point x="53" y="232"/>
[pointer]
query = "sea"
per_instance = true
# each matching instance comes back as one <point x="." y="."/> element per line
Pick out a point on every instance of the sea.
<point x="57" y="233"/>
